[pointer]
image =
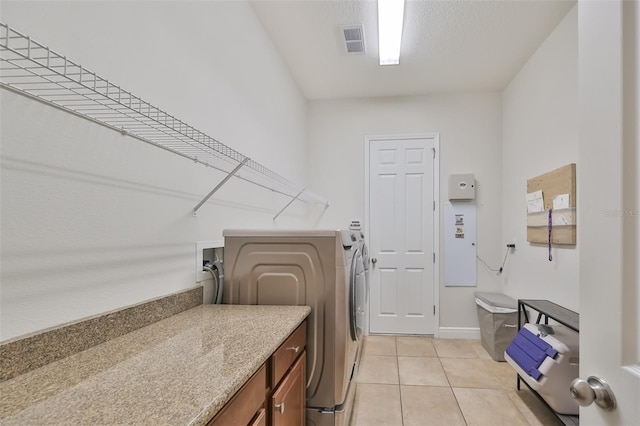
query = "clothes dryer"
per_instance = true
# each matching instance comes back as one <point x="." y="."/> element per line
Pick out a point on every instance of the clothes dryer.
<point x="310" y="268"/>
<point x="362" y="307"/>
<point x="367" y="263"/>
<point x="358" y="284"/>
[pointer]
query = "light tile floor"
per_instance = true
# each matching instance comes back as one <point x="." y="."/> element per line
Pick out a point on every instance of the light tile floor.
<point x="421" y="381"/>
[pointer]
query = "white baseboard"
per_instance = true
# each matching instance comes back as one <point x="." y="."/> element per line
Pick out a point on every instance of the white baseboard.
<point x="470" y="333"/>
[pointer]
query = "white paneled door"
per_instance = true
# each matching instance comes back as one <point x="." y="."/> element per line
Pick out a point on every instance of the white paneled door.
<point x="401" y="234"/>
<point x="609" y="226"/>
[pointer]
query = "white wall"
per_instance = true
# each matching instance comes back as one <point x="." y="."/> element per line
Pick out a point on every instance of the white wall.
<point x="470" y="142"/>
<point x="93" y="220"/>
<point x="540" y="133"/>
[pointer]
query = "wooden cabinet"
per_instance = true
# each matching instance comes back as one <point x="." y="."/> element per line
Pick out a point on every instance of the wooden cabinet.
<point x="275" y="395"/>
<point x="283" y="358"/>
<point x="260" y="419"/>
<point x="245" y="404"/>
<point x="288" y="381"/>
<point x="288" y="400"/>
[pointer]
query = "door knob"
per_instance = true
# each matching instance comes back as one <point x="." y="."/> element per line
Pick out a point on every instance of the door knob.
<point x="374" y="260"/>
<point x="594" y="389"/>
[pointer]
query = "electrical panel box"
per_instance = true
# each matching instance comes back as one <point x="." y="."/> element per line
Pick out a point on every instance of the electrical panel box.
<point x="462" y="187"/>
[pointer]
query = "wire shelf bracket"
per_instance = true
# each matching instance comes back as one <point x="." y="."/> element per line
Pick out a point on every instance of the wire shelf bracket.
<point x="34" y="70"/>
<point x="218" y="186"/>
<point x="288" y="204"/>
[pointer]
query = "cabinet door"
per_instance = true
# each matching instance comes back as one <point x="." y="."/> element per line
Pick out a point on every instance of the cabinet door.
<point x="288" y="400"/>
<point x="260" y="419"/>
<point x="287" y="353"/>
<point x="241" y="409"/>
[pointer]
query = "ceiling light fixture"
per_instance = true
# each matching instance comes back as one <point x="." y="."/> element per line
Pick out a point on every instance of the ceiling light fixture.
<point x="390" y="17"/>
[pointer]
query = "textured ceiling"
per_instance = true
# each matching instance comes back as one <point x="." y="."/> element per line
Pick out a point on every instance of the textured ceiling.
<point x="447" y="46"/>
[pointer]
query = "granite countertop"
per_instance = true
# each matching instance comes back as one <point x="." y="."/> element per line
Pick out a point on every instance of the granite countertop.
<point x="178" y="371"/>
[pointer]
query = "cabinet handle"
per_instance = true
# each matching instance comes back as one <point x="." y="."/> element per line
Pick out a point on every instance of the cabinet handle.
<point x="280" y="407"/>
<point x="295" y="349"/>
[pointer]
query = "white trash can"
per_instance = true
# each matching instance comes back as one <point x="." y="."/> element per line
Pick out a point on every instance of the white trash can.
<point x="498" y="319"/>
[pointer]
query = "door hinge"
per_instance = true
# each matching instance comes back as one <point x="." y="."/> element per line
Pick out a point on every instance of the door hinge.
<point x="434" y="258"/>
<point x="434" y="153"/>
<point x="434" y="205"/>
<point x="434" y="309"/>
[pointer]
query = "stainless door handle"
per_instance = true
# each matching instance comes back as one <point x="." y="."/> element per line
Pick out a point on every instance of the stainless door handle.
<point x="280" y="407"/>
<point x="374" y="260"/>
<point x="295" y="349"/>
<point x="594" y="389"/>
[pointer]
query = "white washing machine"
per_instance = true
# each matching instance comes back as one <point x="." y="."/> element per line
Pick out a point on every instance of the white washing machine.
<point x="362" y="300"/>
<point x="357" y="286"/>
<point x="358" y="278"/>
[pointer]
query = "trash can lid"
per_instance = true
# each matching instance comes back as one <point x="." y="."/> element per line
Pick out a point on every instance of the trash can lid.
<point x="499" y="300"/>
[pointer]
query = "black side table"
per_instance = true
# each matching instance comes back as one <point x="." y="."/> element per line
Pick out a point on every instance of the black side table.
<point x="549" y="310"/>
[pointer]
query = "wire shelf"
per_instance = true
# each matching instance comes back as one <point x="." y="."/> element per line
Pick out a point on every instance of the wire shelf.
<point x="32" y="69"/>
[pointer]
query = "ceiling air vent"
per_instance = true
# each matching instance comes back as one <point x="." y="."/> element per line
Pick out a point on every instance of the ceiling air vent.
<point x="353" y="38"/>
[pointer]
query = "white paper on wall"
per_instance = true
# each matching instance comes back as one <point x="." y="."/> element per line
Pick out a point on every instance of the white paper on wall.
<point x="561" y="202"/>
<point x="535" y="202"/>
<point x="459" y="226"/>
